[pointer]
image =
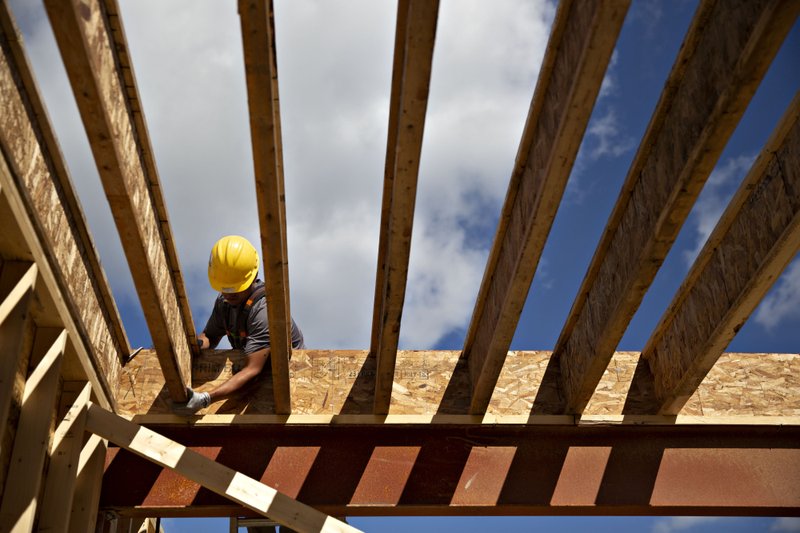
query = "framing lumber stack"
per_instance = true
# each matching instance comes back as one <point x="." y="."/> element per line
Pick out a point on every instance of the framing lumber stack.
<point x="583" y="429"/>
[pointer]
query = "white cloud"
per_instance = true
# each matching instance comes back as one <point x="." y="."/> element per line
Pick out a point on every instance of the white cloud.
<point x="335" y="73"/>
<point x="716" y="194"/>
<point x="783" y="301"/>
<point x="681" y="523"/>
<point x="785" y="524"/>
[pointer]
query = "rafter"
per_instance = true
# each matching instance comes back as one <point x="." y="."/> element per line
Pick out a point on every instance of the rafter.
<point x="722" y="60"/>
<point x="581" y="42"/>
<point x="91" y="56"/>
<point x="413" y="57"/>
<point x="754" y="240"/>
<point x="258" y="35"/>
<point x="42" y="204"/>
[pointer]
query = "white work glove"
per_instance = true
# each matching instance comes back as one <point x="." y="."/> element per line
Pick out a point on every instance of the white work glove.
<point x="197" y="401"/>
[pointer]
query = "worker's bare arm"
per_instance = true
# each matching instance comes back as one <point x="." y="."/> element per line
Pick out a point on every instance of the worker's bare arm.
<point x="254" y="364"/>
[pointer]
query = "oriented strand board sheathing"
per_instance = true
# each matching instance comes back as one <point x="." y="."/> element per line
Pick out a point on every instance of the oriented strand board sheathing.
<point x="334" y="382"/>
<point x="33" y="165"/>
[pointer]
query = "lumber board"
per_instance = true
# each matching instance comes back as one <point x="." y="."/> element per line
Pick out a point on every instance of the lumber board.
<point x="722" y="60"/>
<point x="581" y="42"/>
<point x="86" y="501"/>
<point x="486" y="470"/>
<point x="59" y="485"/>
<point x="82" y="31"/>
<point x="40" y="195"/>
<point x="147" y="155"/>
<point x="754" y="240"/>
<point x="220" y="479"/>
<point x="416" y="34"/>
<point x="19" y="505"/>
<point x="14" y="313"/>
<point x="334" y="386"/>
<point x="261" y="69"/>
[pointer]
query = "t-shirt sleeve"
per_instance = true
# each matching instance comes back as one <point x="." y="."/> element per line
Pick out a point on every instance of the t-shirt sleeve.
<point x="215" y="328"/>
<point x="257" y="328"/>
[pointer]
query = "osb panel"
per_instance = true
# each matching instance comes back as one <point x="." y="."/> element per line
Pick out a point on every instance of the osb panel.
<point x="31" y="167"/>
<point x="334" y="382"/>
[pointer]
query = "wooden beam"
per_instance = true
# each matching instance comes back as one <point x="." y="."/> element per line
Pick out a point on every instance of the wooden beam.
<point x="82" y="30"/>
<point x="580" y="46"/>
<point x="59" y="488"/>
<point x="722" y="60"/>
<point x="414" y="41"/>
<point x="40" y="196"/>
<point x="13" y="316"/>
<point x="147" y="155"/>
<point x="19" y="504"/>
<point x="220" y="479"/>
<point x="258" y="36"/>
<point x="754" y="240"/>
<point x="83" y="514"/>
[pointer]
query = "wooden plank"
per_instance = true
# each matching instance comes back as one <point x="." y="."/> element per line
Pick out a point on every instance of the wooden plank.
<point x="14" y="312"/>
<point x="147" y="155"/>
<point x="83" y="514"/>
<point x="722" y="60"/>
<point x="90" y="58"/>
<point x="40" y="197"/>
<point x="416" y="26"/>
<point x="331" y="386"/>
<point x="580" y="46"/>
<point x="258" y="36"/>
<point x="59" y="487"/>
<point x="224" y="481"/>
<point x="754" y="240"/>
<point x="18" y="507"/>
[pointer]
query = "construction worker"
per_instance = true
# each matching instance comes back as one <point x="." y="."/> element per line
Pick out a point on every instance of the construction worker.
<point x="240" y="313"/>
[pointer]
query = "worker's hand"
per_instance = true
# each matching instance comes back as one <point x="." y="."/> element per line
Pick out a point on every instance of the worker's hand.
<point x="197" y="401"/>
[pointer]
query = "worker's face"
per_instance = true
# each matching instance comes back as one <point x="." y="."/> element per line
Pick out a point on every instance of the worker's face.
<point x="235" y="298"/>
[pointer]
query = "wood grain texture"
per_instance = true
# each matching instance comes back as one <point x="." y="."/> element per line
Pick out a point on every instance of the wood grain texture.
<point x="40" y="193"/>
<point x="62" y="473"/>
<point x="258" y="36"/>
<point x="31" y="444"/>
<point x="581" y="42"/>
<point x="336" y="383"/>
<point x="416" y="26"/>
<point x="722" y="60"/>
<point x="224" y="481"/>
<point x="754" y="240"/>
<point x="86" y="501"/>
<point x="83" y="33"/>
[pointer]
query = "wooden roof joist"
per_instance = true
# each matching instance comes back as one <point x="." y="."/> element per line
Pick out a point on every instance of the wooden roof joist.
<point x="261" y="69"/>
<point x="754" y="240"/>
<point x="105" y="91"/>
<point x="411" y="75"/>
<point x="39" y="205"/>
<point x="724" y="56"/>
<point x="580" y="46"/>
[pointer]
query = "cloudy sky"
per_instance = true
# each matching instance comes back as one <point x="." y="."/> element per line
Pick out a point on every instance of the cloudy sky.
<point x="334" y="61"/>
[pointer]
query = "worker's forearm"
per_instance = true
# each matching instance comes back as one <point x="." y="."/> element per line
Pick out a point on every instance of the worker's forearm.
<point x="236" y="382"/>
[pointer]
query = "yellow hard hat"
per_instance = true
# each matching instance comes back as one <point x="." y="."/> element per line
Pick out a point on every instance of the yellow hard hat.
<point x="233" y="264"/>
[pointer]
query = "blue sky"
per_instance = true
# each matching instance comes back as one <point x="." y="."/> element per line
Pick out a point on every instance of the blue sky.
<point x="335" y="72"/>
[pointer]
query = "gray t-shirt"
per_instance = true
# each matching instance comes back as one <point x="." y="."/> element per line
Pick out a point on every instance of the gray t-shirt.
<point x="224" y="319"/>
